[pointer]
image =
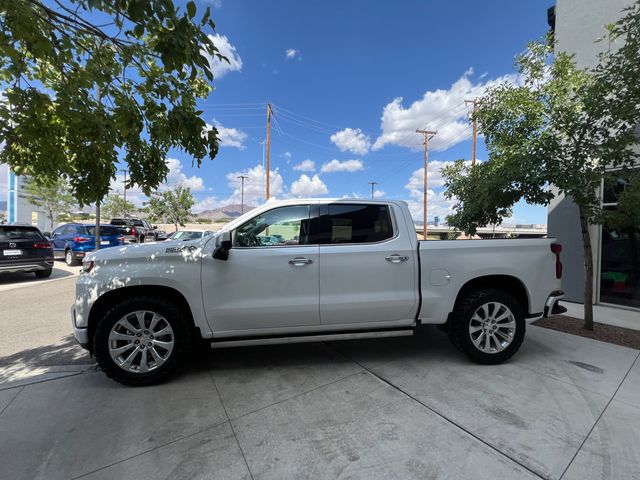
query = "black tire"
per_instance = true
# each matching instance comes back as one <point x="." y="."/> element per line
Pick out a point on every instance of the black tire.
<point x="176" y="318"/>
<point x="141" y="239"/>
<point x="461" y="318"/>
<point x="70" y="258"/>
<point x="44" y="273"/>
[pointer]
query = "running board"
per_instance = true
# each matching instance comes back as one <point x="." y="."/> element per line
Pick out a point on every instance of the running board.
<point x="326" y="337"/>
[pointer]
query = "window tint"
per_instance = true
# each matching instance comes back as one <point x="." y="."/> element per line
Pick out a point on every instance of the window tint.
<point x="105" y="231"/>
<point x="137" y="223"/>
<point x="359" y="223"/>
<point x="277" y="227"/>
<point x="11" y="232"/>
<point x="186" y="235"/>
<point x="118" y="221"/>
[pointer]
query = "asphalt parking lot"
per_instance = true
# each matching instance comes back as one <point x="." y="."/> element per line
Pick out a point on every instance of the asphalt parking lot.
<point x="412" y="407"/>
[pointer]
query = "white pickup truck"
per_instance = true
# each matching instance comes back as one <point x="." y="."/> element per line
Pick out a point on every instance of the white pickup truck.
<point x="303" y="271"/>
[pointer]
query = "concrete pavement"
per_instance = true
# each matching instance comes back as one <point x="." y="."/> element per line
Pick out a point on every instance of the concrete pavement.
<point x="413" y="407"/>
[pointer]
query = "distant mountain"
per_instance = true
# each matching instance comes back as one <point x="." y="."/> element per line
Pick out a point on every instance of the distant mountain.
<point x="226" y="212"/>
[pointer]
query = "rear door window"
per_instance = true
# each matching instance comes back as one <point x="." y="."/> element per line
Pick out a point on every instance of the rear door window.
<point x="105" y="230"/>
<point x="358" y="223"/>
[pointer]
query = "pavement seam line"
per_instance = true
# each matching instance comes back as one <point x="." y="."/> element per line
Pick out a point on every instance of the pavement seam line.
<point x="12" y="400"/>
<point x="296" y="396"/>
<point x="44" y="380"/>
<point x="442" y="416"/>
<point x="157" y="447"/>
<point x="233" y="430"/>
<point x="593" y="427"/>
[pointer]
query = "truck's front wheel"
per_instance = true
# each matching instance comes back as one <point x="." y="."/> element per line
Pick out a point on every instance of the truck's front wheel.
<point x="140" y="341"/>
<point x="488" y="325"/>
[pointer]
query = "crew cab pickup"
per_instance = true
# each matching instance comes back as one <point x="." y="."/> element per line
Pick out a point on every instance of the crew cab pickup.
<point x="303" y="271"/>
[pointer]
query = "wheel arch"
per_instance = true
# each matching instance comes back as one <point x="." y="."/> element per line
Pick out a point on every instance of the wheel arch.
<point x="508" y="284"/>
<point x="106" y="301"/>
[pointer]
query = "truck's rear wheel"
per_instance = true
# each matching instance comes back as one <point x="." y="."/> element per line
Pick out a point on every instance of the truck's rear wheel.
<point x="488" y="325"/>
<point x="141" y="341"/>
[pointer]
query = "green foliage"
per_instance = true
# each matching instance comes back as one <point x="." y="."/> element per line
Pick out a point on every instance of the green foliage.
<point x="204" y="220"/>
<point x="116" y="206"/>
<point x="172" y="206"/>
<point x="54" y="197"/>
<point x="627" y="213"/>
<point x="80" y="96"/>
<point x="558" y="125"/>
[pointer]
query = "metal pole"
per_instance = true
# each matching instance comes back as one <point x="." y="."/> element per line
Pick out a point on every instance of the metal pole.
<point x="242" y="177"/>
<point x="268" y="147"/>
<point x="428" y="135"/>
<point x="373" y="184"/>
<point x="124" y="171"/>
<point x="475" y="130"/>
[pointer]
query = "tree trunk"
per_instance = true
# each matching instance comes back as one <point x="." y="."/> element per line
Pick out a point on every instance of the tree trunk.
<point x="588" y="271"/>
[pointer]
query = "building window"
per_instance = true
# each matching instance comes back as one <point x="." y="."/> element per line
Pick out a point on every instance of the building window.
<point x="619" y="254"/>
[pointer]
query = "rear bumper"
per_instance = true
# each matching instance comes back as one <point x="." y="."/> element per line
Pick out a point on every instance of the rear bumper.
<point x="551" y="307"/>
<point x="27" y="266"/>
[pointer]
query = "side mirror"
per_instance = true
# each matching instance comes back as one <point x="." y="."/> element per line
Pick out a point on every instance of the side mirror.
<point x="47" y="234"/>
<point x="223" y="245"/>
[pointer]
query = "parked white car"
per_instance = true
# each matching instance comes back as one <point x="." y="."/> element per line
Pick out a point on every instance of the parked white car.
<point x="328" y="270"/>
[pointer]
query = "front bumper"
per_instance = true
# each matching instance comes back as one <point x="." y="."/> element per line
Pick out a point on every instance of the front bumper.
<point x="81" y="334"/>
<point x="552" y="307"/>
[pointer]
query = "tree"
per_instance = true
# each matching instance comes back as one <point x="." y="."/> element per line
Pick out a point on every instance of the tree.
<point x="116" y="206"/>
<point x="54" y="197"/>
<point x="174" y="206"/>
<point x="90" y="83"/>
<point x="558" y="126"/>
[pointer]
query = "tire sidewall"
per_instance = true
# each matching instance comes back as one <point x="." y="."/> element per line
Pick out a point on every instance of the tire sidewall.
<point x="462" y="318"/>
<point x="174" y="316"/>
<point x="70" y="258"/>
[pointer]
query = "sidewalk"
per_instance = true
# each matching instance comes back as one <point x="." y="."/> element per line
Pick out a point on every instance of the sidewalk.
<point x="413" y="407"/>
<point x="618" y="317"/>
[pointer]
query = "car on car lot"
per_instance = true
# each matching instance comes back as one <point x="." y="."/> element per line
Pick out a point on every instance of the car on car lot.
<point x="161" y="235"/>
<point x="24" y="248"/>
<point x="185" y="235"/>
<point x="73" y="241"/>
<point x="135" y="230"/>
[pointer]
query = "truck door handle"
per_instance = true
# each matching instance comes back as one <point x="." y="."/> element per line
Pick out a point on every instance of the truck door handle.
<point x="300" y="261"/>
<point x="396" y="258"/>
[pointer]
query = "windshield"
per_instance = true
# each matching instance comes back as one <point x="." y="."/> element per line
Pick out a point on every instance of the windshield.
<point x="186" y="235"/>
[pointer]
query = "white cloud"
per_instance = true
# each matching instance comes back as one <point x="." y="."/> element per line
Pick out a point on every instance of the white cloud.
<point x="437" y="204"/>
<point x="230" y="137"/>
<point x="379" y="193"/>
<point x="342" y="166"/>
<point x="219" y="68"/>
<point x="350" y="140"/>
<point x="308" y="187"/>
<point x="291" y="53"/>
<point x="287" y="157"/>
<point x="176" y="177"/>
<point x="254" y="189"/>
<point x="441" y="110"/>
<point x="214" y="3"/>
<point x="305" y="166"/>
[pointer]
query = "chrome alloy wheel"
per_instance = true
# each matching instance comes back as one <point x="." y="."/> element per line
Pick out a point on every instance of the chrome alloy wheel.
<point x="141" y="341"/>
<point x="492" y="327"/>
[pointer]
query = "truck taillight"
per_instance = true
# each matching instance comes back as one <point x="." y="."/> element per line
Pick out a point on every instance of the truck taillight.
<point x="134" y="232"/>
<point x="556" y="248"/>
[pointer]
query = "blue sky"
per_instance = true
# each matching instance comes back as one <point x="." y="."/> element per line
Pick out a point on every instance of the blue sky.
<point x="379" y="69"/>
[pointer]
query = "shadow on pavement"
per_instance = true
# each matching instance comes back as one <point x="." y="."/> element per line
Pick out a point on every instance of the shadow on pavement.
<point x="65" y="352"/>
<point x="26" y="277"/>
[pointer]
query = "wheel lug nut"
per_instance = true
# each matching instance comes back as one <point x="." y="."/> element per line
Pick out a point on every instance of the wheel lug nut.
<point x="146" y="332"/>
<point x="150" y="344"/>
<point x="137" y="342"/>
<point x="138" y="334"/>
<point x="142" y="347"/>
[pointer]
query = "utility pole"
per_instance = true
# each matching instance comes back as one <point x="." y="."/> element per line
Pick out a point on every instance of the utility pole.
<point x="124" y="183"/>
<point x="97" y="231"/>
<point x="428" y="135"/>
<point x="263" y="143"/>
<point x="242" y="177"/>
<point x="475" y="129"/>
<point x="268" y="148"/>
<point x="373" y="184"/>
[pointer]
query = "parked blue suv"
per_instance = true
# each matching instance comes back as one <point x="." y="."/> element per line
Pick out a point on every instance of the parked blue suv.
<point x="74" y="240"/>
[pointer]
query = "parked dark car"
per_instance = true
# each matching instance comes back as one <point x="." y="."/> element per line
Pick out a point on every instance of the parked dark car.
<point x="135" y="229"/>
<point x="25" y="249"/>
<point x="74" y="240"/>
